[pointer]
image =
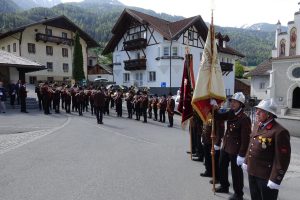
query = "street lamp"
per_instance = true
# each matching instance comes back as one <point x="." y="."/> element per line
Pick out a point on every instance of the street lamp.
<point x="170" y="89"/>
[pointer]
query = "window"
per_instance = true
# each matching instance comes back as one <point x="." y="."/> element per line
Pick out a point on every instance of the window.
<point x="48" y="32"/>
<point x="174" y="51"/>
<point x="152" y="76"/>
<point x="50" y="66"/>
<point x="166" y="51"/>
<point x="126" y="77"/>
<point x="64" y="35"/>
<point x="90" y="62"/>
<point x="3" y="48"/>
<point x="14" y="47"/>
<point x="191" y="35"/>
<point x="49" y="50"/>
<point x="31" y="48"/>
<point x="8" y="48"/>
<point x="64" y="52"/>
<point x="262" y="85"/>
<point x="227" y="91"/>
<point x="65" y="67"/>
<point x="65" y="78"/>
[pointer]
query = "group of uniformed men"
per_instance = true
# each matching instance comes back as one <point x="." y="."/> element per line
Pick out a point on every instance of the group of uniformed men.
<point x="53" y="96"/>
<point x="263" y="151"/>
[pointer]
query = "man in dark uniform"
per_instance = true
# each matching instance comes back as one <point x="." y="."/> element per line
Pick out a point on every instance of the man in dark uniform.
<point x="154" y="106"/>
<point x="129" y="100"/>
<point x="268" y="154"/>
<point x="196" y="126"/>
<point x="137" y="106"/>
<point x="99" y="104"/>
<point x="23" y="95"/>
<point x="68" y="99"/>
<point x="207" y="146"/>
<point x="150" y="107"/>
<point x="38" y="93"/>
<point x="162" y="109"/>
<point x="118" y="101"/>
<point x="235" y="144"/>
<point x="144" y="105"/>
<point x="46" y="98"/>
<point x="170" y="109"/>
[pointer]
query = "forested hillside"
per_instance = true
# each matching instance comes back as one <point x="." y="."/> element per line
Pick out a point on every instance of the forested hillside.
<point x="98" y="18"/>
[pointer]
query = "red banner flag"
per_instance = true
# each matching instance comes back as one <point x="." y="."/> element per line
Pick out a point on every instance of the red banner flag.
<point x="186" y="91"/>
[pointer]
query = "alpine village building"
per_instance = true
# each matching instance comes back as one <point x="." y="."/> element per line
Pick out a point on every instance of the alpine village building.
<point x="278" y="78"/>
<point x="49" y="42"/>
<point x="149" y="51"/>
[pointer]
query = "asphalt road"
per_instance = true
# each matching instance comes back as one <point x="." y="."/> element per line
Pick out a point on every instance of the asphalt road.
<point x="69" y="157"/>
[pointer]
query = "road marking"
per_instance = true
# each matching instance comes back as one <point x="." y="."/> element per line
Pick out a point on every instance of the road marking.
<point x="13" y="141"/>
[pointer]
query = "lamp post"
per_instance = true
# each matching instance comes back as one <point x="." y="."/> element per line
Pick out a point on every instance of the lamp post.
<point x="170" y="89"/>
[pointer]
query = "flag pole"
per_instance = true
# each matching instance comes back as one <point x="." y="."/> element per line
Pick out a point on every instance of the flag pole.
<point x="213" y="135"/>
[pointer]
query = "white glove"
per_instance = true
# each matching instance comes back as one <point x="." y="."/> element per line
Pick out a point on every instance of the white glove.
<point x="245" y="166"/>
<point x="273" y="185"/>
<point x="213" y="102"/>
<point x="216" y="147"/>
<point x="240" y="160"/>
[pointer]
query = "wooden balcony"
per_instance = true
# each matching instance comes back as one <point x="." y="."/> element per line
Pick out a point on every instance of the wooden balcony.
<point x="136" y="64"/>
<point x="135" y="44"/>
<point x="226" y="68"/>
<point x="53" y="39"/>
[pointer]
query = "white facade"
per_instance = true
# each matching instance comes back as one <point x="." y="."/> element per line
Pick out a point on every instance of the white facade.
<point x="61" y="62"/>
<point x="259" y="87"/>
<point x="156" y="49"/>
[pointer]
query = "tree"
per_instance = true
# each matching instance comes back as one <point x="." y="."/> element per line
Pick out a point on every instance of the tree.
<point x="239" y="70"/>
<point x="78" y="73"/>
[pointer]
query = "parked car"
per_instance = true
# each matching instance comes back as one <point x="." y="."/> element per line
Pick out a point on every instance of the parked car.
<point x="176" y="99"/>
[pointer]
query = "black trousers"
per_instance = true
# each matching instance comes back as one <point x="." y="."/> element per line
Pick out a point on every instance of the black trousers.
<point x="99" y="114"/>
<point x="12" y="100"/>
<point x="68" y="107"/>
<point x="162" y="115"/>
<point x="155" y="113"/>
<point x="171" y="120"/>
<point x="259" y="189"/>
<point x="23" y="104"/>
<point x="236" y="172"/>
<point x="137" y="113"/>
<point x="208" y="160"/>
<point x="144" y="110"/>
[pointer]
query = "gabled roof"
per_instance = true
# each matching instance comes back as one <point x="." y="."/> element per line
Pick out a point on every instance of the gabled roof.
<point x="169" y="30"/>
<point x="59" y="22"/>
<point x="11" y="60"/>
<point x="262" y="69"/>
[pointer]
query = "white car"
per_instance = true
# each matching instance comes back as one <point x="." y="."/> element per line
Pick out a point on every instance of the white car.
<point x="176" y="99"/>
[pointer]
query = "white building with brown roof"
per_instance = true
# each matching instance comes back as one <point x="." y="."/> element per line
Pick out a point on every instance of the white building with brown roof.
<point x="49" y="42"/>
<point x="149" y="51"/>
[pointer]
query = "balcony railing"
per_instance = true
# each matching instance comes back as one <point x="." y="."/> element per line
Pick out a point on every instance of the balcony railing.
<point x="136" y="64"/>
<point x="54" y="39"/>
<point x="135" y="44"/>
<point x="226" y="68"/>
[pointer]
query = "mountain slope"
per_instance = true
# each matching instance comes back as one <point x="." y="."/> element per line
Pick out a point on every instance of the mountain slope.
<point x="8" y="6"/>
<point x="98" y="18"/>
<point x="28" y="4"/>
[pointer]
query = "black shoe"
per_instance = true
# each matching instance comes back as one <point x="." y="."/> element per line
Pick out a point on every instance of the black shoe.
<point x="170" y="126"/>
<point x="221" y="189"/>
<point x="235" y="197"/>
<point x="205" y="174"/>
<point x="216" y="181"/>
<point x="200" y="159"/>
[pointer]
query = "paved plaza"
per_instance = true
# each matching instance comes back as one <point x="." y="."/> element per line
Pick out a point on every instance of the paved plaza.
<point x="68" y="157"/>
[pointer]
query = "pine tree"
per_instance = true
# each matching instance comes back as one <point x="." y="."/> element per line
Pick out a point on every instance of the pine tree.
<point x="78" y="73"/>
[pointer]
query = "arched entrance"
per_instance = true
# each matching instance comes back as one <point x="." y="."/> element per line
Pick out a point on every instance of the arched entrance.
<point x="296" y="98"/>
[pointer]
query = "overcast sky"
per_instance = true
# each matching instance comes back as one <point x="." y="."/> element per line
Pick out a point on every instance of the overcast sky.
<point x="233" y="13"/>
